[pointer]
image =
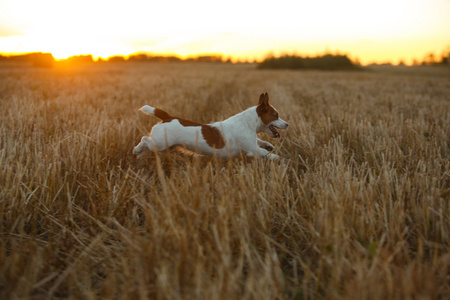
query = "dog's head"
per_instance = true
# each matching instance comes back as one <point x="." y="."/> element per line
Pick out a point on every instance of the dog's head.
<point x="269" y="117"/>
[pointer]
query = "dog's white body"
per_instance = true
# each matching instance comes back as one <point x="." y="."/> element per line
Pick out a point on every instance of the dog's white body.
<point x="228" y="138"/>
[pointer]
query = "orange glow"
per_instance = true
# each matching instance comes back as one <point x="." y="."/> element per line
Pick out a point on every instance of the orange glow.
<point x="378" y="31"/>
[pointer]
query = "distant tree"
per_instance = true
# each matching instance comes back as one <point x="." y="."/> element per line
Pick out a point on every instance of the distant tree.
<point x="444" y="58"/>
<point x="80" y="59"/>
<point x="429" y="59"/>
<point x="37" y="59"/>
<point x="42" y="60"/>
<point x="325" y="62"/>
<point x="210" y="58"/>
<point x="173" y="59"/>
<point x="116" y="58"/>
<point x="138" y="57"/>
<point x="76" y="60"/>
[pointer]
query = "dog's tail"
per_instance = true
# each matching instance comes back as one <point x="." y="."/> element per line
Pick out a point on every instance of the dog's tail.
<point x="159" y="113"/>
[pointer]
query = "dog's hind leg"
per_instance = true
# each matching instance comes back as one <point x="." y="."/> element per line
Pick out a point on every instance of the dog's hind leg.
<point x="141" y="149"/>
<point x="149" y="144"/>
<point x="144" y="146"/>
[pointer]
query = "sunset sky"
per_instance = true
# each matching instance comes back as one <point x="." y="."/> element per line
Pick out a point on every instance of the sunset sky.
<point x="372" y="31"/>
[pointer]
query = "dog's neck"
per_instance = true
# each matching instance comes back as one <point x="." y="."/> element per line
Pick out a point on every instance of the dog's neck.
<point x="249" y="118"/>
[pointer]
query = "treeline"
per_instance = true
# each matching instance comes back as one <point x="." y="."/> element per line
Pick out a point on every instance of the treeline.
<point x="432" y="60"/>
<point x="46" y="60"/>
<point x="43" y="60"/>
<point x="324" y="62"/>
<point x="429" y="60"/>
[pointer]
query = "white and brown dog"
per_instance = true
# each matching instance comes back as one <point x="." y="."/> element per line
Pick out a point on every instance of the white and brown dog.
<point x="237" y="134"/>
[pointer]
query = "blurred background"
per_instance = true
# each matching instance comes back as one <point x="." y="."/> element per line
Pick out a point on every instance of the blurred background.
<point x="385" y="31"/>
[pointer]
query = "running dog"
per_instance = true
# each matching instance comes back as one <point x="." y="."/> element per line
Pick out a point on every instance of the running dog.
<point x="228" y="138"/>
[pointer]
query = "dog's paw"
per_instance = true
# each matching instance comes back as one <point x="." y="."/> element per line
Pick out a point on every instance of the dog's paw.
<point x="141" y="154"/>
<point x="268" y="146"/>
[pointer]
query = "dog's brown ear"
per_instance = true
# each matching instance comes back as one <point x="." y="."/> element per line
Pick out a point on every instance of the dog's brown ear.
<point x="264" y="99"/>
<point x="261" y="99"/>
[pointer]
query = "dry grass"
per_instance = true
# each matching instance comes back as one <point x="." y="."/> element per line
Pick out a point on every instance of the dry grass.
<point x="359" y="209"/>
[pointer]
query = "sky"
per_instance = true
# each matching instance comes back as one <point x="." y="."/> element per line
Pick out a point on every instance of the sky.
<point x="370" y="31"/>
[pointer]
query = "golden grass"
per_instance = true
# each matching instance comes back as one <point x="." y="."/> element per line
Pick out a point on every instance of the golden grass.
<point x="358" y="210"/>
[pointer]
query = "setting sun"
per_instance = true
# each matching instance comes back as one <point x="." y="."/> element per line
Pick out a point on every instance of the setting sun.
<point x="372" y="32"/>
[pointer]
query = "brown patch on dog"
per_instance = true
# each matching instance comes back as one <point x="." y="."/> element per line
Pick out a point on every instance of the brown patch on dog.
<point x="213" y="137"/>
<point x="165" y="117"/>
<point x="265" y="111"/>
<point x="188" y="123"/>
<point x="211" y="134"/>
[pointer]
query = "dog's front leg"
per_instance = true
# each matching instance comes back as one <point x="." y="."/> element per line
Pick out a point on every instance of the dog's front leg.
<point x="260" y="152"/>
<point x="266" y="145"/>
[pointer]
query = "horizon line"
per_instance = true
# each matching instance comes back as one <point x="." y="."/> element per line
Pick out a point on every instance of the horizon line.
<point x="220" y="57"/>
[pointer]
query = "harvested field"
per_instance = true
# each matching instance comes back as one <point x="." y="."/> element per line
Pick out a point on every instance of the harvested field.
<point x="358" y="209"/>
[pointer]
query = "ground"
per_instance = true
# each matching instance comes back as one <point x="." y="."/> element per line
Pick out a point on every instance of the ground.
<point x="357" y="209"/>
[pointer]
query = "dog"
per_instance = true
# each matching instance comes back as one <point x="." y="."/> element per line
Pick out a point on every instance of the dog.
<point x="231" y="137"/>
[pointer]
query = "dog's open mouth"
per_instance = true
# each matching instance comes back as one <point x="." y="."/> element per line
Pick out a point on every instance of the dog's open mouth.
<point x="274" y="131"/>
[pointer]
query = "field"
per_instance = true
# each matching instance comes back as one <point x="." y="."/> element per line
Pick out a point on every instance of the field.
<point x="359" y="208"/>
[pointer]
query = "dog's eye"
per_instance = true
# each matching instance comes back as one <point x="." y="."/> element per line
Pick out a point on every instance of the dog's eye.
<point x="276" y="116"/>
